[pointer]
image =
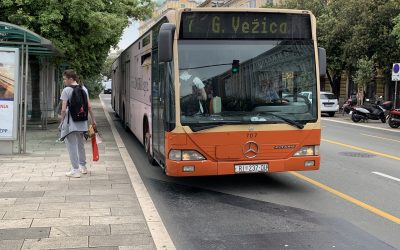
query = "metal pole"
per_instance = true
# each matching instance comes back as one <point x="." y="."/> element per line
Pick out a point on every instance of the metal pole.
<point x="20" y="106"/>
<point x="46" y="86"/>
<point x="395" y="95"/>
<point x="26" y="94"/>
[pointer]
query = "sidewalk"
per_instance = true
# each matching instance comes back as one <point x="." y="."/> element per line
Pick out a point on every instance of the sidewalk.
<point x="339" y="117"/>
<point x="40" y="208"/>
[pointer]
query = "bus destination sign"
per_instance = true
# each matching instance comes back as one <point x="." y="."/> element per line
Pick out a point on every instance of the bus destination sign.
<point x="245" y="25"/>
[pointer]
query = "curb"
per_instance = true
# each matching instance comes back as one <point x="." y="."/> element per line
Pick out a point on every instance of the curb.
<point x="362" y="125"/>
<point x="159" y="233"/>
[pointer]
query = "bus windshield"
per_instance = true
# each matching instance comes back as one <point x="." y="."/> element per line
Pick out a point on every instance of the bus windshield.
<point x="246" y="81"/>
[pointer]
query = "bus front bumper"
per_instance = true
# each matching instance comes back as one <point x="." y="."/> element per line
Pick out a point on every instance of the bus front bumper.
<point x="207" y="167"/>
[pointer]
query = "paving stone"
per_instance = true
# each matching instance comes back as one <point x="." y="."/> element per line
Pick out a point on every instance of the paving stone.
<point x="31" y="214"/>
<point x="8" y="201"/>
<point x="41" y="174"/>
<point x="85" y="212"/>
<point x="24" y="233"/>
<point x="56" y="243"/>
<point x="132" y="228"/>
<point x="12" y="189"/>
<point x="118" y="177"/>
<point x="22" y="223"/>
<point x="34" y="192"/>
<point x="120" y="240"/>
<point x="52" y="222"/>
<point x="141" y="247"/>
<point x="95" y="248"/>
<point x="18" y="179"/>
<point x="21" y="194"/>
<point x="14" y="184"/>
<point x="65" y="205"/>
<point x="113" y="191"/>
<point x="127" y="197"/>
<point x="91" y="198"/>
<point x="99" y="177"/>
<point x="79" y="230"/>
<point x="98" y="204"/>
<point x="67" y="192"/>
<point x="50" y="199"/>
<point x="118" y="185"/>
<point x="11" y="244"/>
<point x="122" y="211"/>
<point x="116" y="219"/>
<point x="45" y="178"/>
<point x="19" y="207"/>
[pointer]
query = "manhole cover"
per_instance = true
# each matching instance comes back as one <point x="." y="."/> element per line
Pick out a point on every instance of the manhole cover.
<point x="357" y="154"/>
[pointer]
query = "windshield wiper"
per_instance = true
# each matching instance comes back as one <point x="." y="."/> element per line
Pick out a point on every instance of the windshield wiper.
<point x="197" y="126"/>
<point x="287" y="120"/>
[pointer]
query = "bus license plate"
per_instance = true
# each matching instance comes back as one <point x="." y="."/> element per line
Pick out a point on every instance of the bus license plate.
<point x="251" y="168"/>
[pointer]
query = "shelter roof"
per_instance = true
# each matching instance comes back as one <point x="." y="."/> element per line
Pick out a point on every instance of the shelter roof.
<point x="12" y="35"/>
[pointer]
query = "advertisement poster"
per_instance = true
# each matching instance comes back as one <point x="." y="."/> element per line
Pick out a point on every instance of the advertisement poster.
<point x="8" y="93"/>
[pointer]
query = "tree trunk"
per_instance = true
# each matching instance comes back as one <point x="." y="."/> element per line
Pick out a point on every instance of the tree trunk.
<point x="35" y="82"/>
<point x="335" y="83"/>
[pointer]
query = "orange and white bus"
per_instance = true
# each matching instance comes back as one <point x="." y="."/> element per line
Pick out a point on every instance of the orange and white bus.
<point x="225" y="61"/>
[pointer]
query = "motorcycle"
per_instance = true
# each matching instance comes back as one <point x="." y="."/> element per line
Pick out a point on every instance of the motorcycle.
<point x="375" y="112"/>
<point x="349" y="105"/>
<point x="394" y="118"/>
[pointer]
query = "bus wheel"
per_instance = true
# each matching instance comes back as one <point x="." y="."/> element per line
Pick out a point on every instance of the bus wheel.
<point x="147" y="143"/>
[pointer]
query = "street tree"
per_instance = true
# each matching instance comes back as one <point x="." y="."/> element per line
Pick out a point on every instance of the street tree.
<point x="350" y="30"/>
<point x="365" y="73"/>
<point x="84" y="30"/>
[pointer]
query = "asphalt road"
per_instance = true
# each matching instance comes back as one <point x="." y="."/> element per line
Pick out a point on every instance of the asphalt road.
<point x="352" y="202"/>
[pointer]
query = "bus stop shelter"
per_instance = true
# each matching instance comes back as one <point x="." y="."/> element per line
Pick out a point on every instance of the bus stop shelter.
<point x="26" y="90"/>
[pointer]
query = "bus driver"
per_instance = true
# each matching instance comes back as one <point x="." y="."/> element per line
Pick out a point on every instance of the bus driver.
<point x="192" y="93"/>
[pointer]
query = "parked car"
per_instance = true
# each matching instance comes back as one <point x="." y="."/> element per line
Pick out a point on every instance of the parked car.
<point x="107" y="87"/>
<point x="329" y="103"/>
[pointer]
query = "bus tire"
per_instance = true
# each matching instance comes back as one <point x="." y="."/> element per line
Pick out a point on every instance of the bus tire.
<point x="147" y="143"/>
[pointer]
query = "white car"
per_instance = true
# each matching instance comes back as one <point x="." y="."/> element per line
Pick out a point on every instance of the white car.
<point x="329" y="103"/>
<point x="107" y="87"/>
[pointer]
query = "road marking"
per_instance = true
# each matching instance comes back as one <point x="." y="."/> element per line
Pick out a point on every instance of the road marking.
<point x="159" y="233"/>
<point x="387" y="176"/>
<point x="349" y="198"/>
<point x="383" y="138"/>
<point x="362" y="149"/>
<point x="361" y="125"/>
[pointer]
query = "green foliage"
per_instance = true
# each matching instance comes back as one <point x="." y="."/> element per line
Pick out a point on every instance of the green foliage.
<point x="93" y="84"/>
<point x="84" y="30"/>
<point x="396" y="28"/>
<point x="107" y="70"/>
<point x="365" y="71"/>
<point x="350" y="30"/>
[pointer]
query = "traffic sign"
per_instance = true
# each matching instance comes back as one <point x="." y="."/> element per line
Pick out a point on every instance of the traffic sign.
<point x="396" y="72"/>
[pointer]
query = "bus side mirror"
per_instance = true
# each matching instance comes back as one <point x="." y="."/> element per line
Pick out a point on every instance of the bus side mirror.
<point x="166" y="42"/>
<point x="322" y="62"/>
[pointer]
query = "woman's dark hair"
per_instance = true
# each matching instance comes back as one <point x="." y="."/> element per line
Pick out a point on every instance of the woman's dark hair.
<point x="70" y="73"/>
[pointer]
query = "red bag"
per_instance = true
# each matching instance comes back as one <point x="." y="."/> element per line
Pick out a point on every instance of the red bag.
<point x="95" y="149"/>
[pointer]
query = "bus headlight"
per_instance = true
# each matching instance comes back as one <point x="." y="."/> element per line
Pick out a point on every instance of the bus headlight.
<point x="308" y="151"/>
<point x="185" y="155"/>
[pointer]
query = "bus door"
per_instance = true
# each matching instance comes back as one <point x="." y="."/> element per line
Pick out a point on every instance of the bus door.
<point x="158" y="105"/>
<point x="124" y="102"/>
